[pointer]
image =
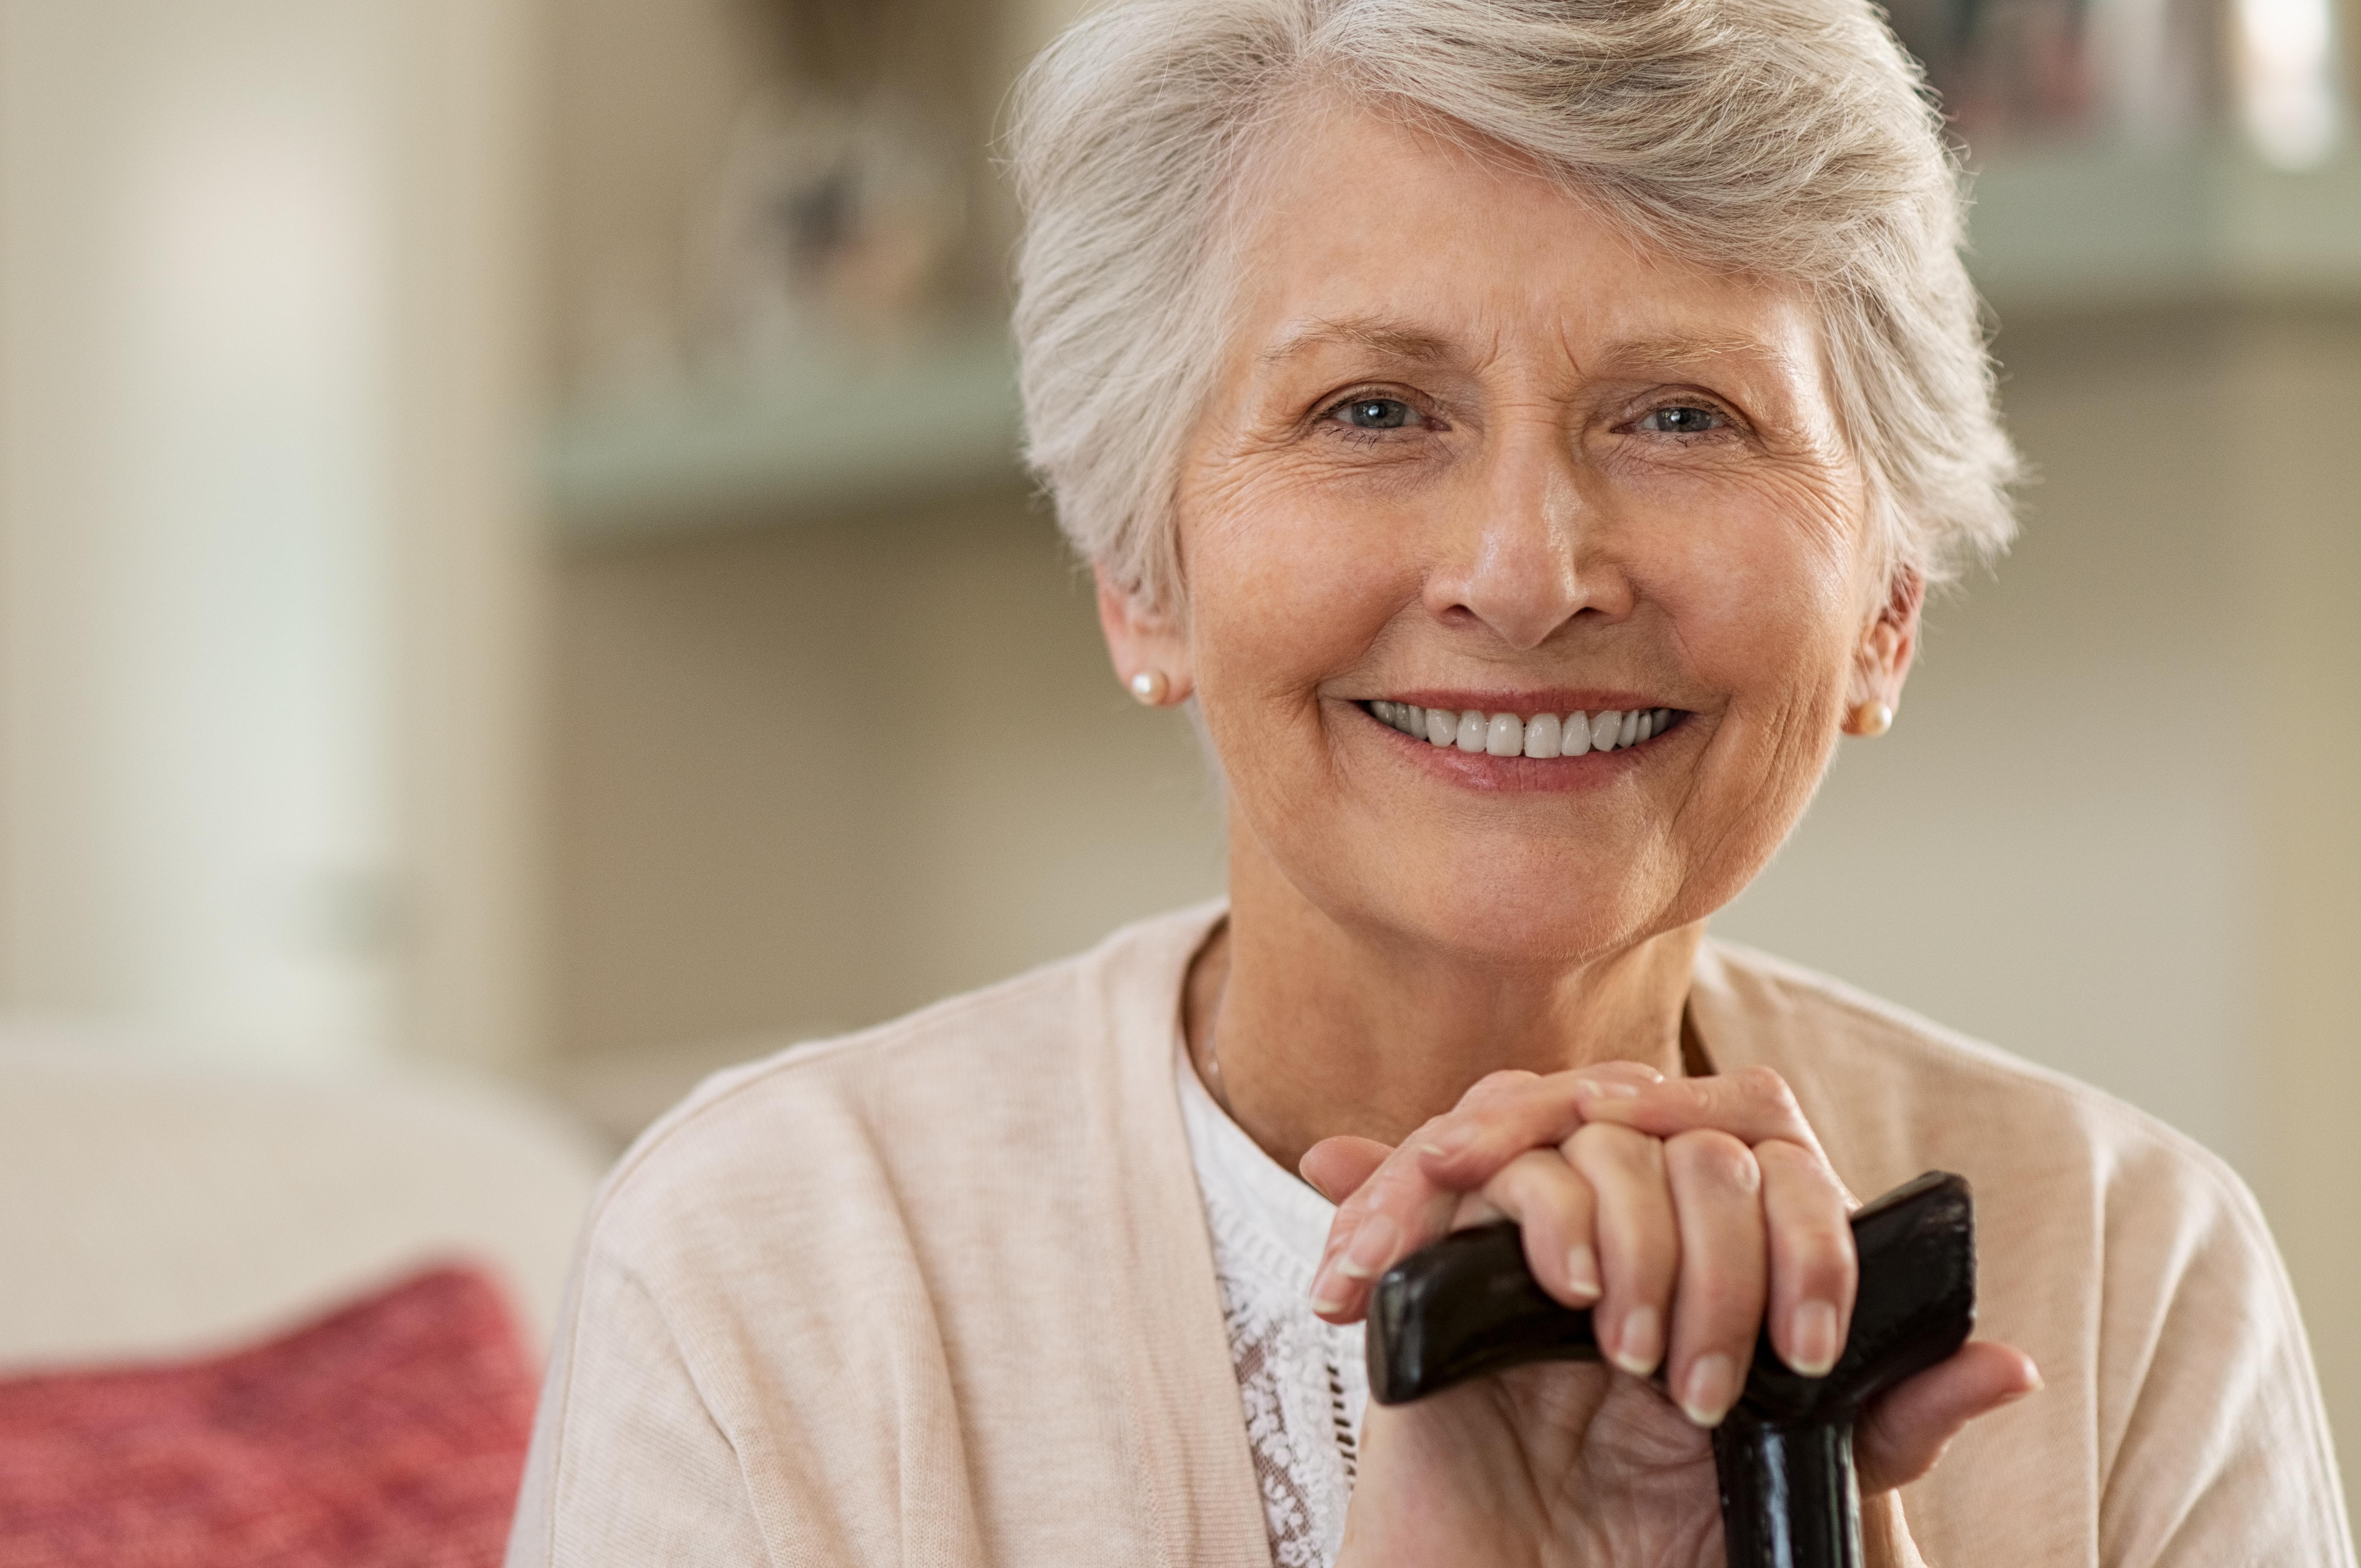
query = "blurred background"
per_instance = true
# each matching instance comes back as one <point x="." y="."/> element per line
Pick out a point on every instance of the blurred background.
<point x="513" y="571"/>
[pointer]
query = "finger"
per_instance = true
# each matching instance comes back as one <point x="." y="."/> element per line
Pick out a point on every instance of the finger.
<point x="1638" y="1242"/>
<point x="1752" y="1104"/>
<point x="1473" y="1210"/>
<point x="1904" y="1431"/>
<point x="1336" y="1168"/>
<point x="1407" y="1203"/>
<point x="1814" y="1268"/>
<point x="1507" y="1114"/>
<point x="1725" y="1262"/>
<point x="1554" y="1208"/>
<point x="1390" y="1215"/>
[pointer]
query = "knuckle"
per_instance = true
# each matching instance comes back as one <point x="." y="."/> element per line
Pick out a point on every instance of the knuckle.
<point x="1493" y="1086"/>
<point x="1821" y="1261"/>
<point x="1764" y="1086"/>
<point x="1535" y="1177"/>
<point x="1716" y="1160"/>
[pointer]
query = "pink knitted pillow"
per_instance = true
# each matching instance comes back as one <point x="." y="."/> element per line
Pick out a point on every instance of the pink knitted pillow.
<point x="392" y="1431"/>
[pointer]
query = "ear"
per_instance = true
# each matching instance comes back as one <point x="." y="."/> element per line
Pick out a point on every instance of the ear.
<point x="1143" y="640"/>
<point x="1882" y="662"/>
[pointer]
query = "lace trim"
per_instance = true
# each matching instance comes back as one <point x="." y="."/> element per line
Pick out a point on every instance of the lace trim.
<point x="1303" y="1384"/>
<point x="1299" y="1420"/>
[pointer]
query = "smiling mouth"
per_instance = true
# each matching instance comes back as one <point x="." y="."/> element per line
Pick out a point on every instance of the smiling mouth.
<point x="1544" y="735"/>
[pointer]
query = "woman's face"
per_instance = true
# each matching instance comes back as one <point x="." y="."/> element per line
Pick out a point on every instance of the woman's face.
<point x="1472" y="449"/>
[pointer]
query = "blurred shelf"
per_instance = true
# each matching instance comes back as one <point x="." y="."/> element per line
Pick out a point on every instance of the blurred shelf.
<point x="2112" y="228"/>
<point x="2060" y="232"/>
<point x="835" y="436"/>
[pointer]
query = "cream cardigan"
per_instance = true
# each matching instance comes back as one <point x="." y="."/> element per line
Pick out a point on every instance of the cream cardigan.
<point x="940" y="1294"/>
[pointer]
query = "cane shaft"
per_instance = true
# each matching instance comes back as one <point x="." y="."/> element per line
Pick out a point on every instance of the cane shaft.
<point x="1789" y="1498"/>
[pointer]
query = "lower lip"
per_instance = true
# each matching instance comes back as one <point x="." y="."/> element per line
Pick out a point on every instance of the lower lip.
<point x="1521" y="775"/>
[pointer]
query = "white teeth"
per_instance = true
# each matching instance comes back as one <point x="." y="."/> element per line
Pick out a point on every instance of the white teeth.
<point x="1544" y="735"/>
<point x="1540" y="735"/>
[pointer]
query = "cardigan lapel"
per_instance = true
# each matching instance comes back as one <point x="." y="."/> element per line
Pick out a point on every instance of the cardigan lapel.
<point x="1185" y="1427"/>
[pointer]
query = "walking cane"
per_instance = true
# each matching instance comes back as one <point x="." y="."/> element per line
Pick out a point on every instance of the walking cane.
<point x="1467" y="1305"/>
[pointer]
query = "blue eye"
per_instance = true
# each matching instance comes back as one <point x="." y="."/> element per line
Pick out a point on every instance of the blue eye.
<point x="1376" y="413"/>
<point x="1682" y="419"/>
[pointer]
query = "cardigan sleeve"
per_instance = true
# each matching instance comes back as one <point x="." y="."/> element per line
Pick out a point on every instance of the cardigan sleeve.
<point x="628" y="1463"/>
<point x="2221" y="1455"/>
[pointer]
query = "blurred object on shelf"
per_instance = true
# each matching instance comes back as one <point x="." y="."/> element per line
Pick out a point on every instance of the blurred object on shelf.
<point x="827" y="220"/>
<point x="2286" y="80"/>
<point x="2149" y="72"/>
<point x="2010" y="69"/>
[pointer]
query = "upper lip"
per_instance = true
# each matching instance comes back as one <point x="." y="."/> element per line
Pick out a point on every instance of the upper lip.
<point x="1525" y="704"/>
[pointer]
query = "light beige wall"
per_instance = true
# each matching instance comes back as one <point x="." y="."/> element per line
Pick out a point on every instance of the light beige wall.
<point x="813" y="777"/>
<point x="2298" y="508"/>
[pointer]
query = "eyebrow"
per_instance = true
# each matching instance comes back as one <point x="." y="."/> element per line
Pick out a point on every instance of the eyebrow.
<point x="1671" y="350"/>
<point x="1392" y="339"/>
<point x="1401" y="341"/>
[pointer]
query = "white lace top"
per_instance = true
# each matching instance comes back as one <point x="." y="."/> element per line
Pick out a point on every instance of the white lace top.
<point x="1304" y="1382"/>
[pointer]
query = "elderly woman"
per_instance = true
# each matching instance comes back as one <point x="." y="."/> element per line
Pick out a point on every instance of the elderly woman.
<point x="1526" y="430"/>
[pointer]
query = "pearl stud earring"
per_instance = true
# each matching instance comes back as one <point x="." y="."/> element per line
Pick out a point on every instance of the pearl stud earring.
<point x="1872" y="718"/>
<point x="1150" y="687"/>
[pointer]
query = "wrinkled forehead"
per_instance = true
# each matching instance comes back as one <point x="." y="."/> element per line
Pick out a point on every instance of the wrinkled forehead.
<point x="1353" y="231"/>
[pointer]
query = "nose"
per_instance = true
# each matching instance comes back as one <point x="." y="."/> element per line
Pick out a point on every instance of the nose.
<point x="1527" y="552"/>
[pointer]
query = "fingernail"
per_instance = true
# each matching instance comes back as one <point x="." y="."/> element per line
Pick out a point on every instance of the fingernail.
<point x="1712" y="1389"/>
<point x="1606" y="1089"/>
<point x="1324" y="1300"/>
<point x="1582" y="1272"/>
<point x="1813" y="1335"/>
<point x="1642" y="1344"/>
<point x="1371" y="1248"/>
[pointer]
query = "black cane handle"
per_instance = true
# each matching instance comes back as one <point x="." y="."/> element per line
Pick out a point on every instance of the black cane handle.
<point x="1467" y="1305"/>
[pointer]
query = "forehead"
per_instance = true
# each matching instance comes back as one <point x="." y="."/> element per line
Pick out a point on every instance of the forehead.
<point x="1356" y="230"/>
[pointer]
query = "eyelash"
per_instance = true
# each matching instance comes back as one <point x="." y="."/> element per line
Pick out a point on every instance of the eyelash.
<point x="1729" y="424"/>
<point x="1363" y="435"/>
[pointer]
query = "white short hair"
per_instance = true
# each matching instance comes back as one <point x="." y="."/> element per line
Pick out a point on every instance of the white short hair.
<point x="1790" y="139"/>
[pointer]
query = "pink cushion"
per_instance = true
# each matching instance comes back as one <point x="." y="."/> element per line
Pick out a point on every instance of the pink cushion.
<point x="392" y="1431"/>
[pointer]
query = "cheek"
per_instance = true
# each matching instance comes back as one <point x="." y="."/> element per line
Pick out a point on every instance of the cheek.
<point x="1285" y="588"/>
<point x="1761" y="585"/>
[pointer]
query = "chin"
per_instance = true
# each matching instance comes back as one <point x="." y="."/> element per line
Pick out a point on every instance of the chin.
<point x="1527" y="919"/>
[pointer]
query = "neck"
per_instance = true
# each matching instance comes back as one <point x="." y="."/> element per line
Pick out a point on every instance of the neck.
<point x="1307" y="1030"/>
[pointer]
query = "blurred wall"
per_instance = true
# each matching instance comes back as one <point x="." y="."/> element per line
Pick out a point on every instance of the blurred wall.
<point x="265" y="584"/>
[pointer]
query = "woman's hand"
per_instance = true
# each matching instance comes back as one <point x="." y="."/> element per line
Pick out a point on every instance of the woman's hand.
<point x="1686" y="1214"/>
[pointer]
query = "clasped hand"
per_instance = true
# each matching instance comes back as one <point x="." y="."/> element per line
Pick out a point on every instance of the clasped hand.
<point x="1688" y="1215"/>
